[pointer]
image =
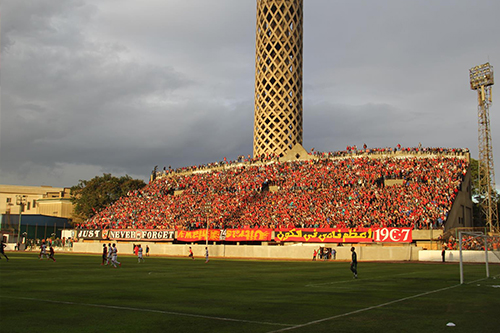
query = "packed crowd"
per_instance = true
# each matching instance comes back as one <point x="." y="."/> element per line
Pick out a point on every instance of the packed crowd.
<point x="350" y="151"/>
<point x="327" y="192"/>
<point x="470" y="242"/>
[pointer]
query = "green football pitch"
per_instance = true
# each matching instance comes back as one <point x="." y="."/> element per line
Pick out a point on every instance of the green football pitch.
<point x="77" y="294"/>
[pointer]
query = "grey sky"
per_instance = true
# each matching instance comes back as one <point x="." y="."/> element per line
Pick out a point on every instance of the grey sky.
<point x="119" y="86"/>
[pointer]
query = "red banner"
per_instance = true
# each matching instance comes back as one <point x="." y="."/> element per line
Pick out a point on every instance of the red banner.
<point x="237" y="235"/>
<point x="232" y="235"/>
<point x="198" y="235"/>
<point x="343" y="235"/>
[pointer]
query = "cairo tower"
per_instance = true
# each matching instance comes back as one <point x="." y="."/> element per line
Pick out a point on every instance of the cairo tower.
<point x="278" y="77"/>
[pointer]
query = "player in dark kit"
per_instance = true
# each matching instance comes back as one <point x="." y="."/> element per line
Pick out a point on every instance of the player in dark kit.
<point x="354" y="263"/>
<point x="51" y="253"/>
<point x="2" y="247"/>
<point x="104" y="254"/>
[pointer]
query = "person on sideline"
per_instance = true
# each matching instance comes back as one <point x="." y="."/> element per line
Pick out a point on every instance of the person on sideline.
<point x="206" y="254"/>
<point x="354" y="263"/>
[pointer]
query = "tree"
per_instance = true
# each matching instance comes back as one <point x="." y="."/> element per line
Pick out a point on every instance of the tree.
<point x="91" y="196"/>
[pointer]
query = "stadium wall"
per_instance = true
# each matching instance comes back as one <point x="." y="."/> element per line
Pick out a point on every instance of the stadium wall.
<point x="454" y="256"/>
<point x="424" y="234"/>
<point x="292" y="252"/>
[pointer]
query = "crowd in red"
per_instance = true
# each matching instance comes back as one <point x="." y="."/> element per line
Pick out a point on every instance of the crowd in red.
<point x="473" y="243"/>
<point x="348" y="190"/>
<point x="348" y="152"/>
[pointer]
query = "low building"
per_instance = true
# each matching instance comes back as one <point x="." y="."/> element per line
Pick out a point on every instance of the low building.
<point x="38" y="200"/>
<point x="34" y="211"/>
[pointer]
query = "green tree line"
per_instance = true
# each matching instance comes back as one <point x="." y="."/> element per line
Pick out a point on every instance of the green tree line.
<point x="91" y="196"/>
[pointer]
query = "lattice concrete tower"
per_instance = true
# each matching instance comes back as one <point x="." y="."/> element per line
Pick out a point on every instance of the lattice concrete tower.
<point x="278" y="76"/>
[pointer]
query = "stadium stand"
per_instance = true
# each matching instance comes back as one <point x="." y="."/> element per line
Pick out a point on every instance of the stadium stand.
<point x="333" y="189"/>
<point x="471" y="243"/>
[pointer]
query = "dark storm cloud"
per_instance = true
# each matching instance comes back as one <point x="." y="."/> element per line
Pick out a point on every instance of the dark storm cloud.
<point x="93" y="86"/>
<point x="389" y="72"/>
<point x="331" y="127"/>
<point x="75" y="102"/>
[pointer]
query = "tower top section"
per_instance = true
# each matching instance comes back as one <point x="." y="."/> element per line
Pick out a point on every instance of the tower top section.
<point x="481" y="76"/>
<point x="278" y="77"/>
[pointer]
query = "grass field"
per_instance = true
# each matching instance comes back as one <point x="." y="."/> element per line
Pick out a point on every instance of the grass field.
<point x="77" y="294"/>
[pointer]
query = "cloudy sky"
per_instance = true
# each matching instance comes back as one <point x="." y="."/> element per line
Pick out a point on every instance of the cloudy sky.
<point x="119" y="86"/>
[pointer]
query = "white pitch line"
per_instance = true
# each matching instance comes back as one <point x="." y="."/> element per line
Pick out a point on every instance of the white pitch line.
<point x="149" y="310"/>
<point x="354" y="280"/>
<point x="369" y="308"/>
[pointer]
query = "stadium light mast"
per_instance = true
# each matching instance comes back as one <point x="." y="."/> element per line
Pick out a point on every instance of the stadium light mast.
<point x="481" y="80"/>
<point x="21" y="200"/>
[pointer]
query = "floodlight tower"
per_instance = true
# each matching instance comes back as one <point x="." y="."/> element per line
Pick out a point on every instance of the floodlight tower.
<point x="481" y="80"/>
